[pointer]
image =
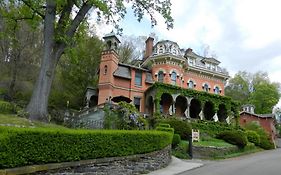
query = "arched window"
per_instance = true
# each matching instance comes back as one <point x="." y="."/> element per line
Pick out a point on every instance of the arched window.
<point x="105" y="70"/>
<point x="190" y="84"/>
<point x="217" y="90"/>
<point x="174" y="78"/>
<point x="161" y="76"/>
<point x="205" y="87"/>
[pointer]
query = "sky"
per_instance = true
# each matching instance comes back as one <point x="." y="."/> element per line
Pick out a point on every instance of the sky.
<point x="245" y="35"/>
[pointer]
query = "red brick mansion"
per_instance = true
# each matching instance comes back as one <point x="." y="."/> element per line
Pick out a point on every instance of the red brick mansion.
<point x="164" y="62"/>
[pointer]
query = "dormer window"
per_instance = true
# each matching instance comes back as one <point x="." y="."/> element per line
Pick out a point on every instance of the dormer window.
<point x="161" y="49"/>
<point x="190" y="61"/>
<point x="161" y="76"/>
<point x="174" y="78"/>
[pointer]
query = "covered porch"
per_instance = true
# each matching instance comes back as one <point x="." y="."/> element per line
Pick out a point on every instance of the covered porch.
<point x="171" y="100"/>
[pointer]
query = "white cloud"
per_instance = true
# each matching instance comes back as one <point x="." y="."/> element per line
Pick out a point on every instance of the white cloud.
<point x="258" y="21"/>
<point x="245" y="34"/>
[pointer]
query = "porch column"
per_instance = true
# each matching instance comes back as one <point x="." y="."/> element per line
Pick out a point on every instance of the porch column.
<point x="187" y="112"/>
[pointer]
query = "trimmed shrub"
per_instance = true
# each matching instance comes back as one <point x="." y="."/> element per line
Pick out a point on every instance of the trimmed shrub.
<point x="176" y="140"/>
<point x="27" y="146"/>
<point x="253" y="137"/>
<point x="165" y="125"/>
<point x="170" y="130"/>
<point x="181" y="127"/>
<point x="212" y="128"/>
<point x="234" y="137"/>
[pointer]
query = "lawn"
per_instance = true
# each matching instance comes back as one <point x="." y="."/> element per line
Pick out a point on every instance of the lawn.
<point x="213" y="142"/>
<point x="13" y="120"/>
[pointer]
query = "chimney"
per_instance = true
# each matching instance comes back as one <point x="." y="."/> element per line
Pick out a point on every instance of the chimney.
<point x="148" y="47"/>
<point x="189" y="50"/>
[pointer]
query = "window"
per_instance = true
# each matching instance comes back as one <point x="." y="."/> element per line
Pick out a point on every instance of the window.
<point x="161" y="49"/>
<point x="190" y="61"/>
<point x="137" y="102"/>
<point x="160" y="76"/>
<point x="174" y="78"/>
<point x="217" y="90"/>
<point x="206" y="87"/>
<point x="190" y="84"/>
<point x="105" y="70"/>
<point x="138" y="78"/>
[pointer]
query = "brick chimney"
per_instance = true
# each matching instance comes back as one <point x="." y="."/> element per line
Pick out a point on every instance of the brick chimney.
<point x="189" y="50"/>
<point x="148" y="47"/>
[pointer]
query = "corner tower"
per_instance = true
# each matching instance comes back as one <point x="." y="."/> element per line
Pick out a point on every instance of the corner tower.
<point x="109" y="64"/>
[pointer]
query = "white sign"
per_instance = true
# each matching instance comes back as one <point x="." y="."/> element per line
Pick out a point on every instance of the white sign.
<point x="195" y="135"/>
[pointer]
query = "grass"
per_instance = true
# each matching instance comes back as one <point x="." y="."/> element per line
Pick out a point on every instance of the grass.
<point x="13" y="120"/>
<point x="181" y="150"/>
<point x="241" y="152"/>
<point x="213" y="142"/>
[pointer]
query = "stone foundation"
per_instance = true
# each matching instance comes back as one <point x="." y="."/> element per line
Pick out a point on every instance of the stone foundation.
<point x="129" y="165"/>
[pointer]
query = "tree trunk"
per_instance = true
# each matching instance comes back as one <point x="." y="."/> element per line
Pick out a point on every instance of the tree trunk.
<point x="37" y="107"/>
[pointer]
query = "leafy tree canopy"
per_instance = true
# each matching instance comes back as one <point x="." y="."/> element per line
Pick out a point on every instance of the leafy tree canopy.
<point x="254" y="89"/>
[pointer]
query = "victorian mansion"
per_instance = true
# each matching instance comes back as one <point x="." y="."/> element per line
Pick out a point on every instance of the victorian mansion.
<point x="166" y="63"/>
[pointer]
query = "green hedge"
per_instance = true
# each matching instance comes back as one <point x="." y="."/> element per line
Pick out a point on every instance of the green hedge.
<point x="159" y="128"/>
<point x="181" y="127"/>
<point x="212" y="128"/>
<point x="176" y="140"/>
<point x="234" y="137"/>
<point x="27" y="146"/>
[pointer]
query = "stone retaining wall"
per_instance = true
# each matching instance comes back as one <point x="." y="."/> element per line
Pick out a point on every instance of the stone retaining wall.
<point x="201" y="152"/>
<point x="129" y="165"/>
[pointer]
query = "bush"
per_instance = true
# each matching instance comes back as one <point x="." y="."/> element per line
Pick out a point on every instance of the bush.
<point x="234" y="137"/>
<point x="170" y="130"/>
<point x="181" y="150"/>
<point x="7" y="108"/>
<point x="176" y="140"/>
<point x="265" y="141"/>
<point x="212" y="128"/>
<point x="27" y="146"/>
<point x="125" y="117"/>
<point x="165" y="125"/>
<point x="253" y="137"/>
<point x="181" y="127"/>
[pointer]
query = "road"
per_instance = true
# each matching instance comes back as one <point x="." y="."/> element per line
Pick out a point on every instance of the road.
<point x="262" y="163"/>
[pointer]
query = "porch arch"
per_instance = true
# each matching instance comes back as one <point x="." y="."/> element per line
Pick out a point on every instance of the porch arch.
<point x="222" y="113"/>
<point x="208" y="110"/>
<point x="165" y="103"/>
<point x="180" y="105"/>
<point x="195" y="108"/>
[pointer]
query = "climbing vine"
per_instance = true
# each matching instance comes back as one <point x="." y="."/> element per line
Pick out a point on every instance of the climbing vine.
<point x="231" y="106"/>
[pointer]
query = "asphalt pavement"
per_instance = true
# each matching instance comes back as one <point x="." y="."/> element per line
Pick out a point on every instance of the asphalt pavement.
<point x="261" y="163"/>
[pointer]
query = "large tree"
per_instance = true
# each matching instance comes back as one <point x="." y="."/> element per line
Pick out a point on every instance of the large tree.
<point x="61" y="18"/>
<point x="238" y="88"/>
<point x="254" y="89"/>
<point x="264" y="97"/>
